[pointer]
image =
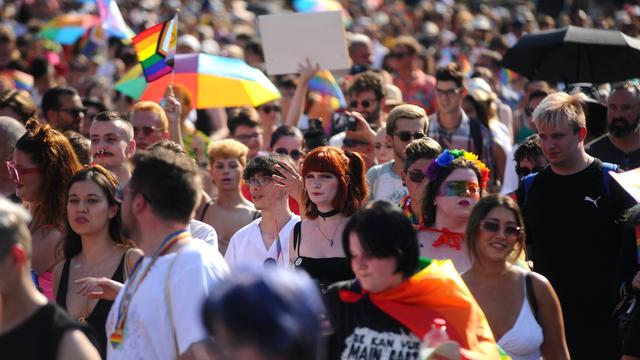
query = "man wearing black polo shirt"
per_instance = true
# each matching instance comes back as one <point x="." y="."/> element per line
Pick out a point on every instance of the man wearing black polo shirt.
<point x="622" y="144"/>
<point x="571" y="210"/>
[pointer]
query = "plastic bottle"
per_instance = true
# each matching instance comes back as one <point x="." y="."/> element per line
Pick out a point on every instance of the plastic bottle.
<point x="437" y="335"/>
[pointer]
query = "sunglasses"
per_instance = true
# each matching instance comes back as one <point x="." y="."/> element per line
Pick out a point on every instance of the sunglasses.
<point x="347" y="142"/>
<point x="524" y="171"/>
<point x="459" y="188"/>
<point x="448" y="92"/>
<point x="269" y="108"/>
<point x="246" y="137"/>
<point x="510" y="231"/>
<point x="364" y="103"/>
<point x="295" y="154"/>
<point x="15" y="173"/>
<point x="75" y="112"/>
<point x="145" y="130"/>
<point x="416" y="176"/>
<point x="400" y="55"/>
<point x="259" y="181"/>
<point x="406" y="135"/>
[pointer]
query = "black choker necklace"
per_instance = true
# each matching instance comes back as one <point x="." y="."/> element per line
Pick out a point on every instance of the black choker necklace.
<point x="328" y="214"/>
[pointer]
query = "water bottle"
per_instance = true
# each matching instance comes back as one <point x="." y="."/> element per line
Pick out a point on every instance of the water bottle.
<point x="436" y="343"/>
<point x="437" y="335"/>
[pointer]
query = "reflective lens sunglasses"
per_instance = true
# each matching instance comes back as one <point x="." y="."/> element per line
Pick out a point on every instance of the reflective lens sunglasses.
<point x="524" y="171"/>
<point x="75" y="112"/>
<point x="146" y="130"/>
<point x="269" y="108"/>
<point x="15" y="173"/>
<point x="364" y="103"/>
<point x="406" y="135"/>
<point x="459" y="188"/>
<point x="491" y="226"/>
<point x="259" y="181"/>
<point x="295" y="154"/>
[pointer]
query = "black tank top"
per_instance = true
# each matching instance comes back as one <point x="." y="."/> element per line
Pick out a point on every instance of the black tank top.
<point x="98" y="317"/>
<point x="325" y="271"/>
<point x="39" y="336"/>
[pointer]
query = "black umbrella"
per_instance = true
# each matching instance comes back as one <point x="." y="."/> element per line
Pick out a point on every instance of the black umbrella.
<point x="574" y="54"/>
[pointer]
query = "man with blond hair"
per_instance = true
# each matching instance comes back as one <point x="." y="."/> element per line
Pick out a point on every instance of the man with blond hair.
<point x="571" y="209"/>
<point x="150" y="124"/>
<point x="404" y="123"/>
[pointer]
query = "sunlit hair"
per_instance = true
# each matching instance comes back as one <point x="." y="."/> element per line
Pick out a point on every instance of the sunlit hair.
<point x="152" y="107"/>
<point x="228" y="149"/>
<point x="348" y="168"/>
<point x="559" y="108"/>
<point x="480" y="212"/>
<point x="406" y="111"/>
<point x="50" y="150"/>
<point x="108" y="184"/>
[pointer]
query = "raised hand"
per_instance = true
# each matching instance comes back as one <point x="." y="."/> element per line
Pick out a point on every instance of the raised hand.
<point x="290" y="180"/>
<point x="98" y="288"/>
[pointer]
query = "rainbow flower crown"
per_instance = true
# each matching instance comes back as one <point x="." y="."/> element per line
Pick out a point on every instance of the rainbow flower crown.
<point x="446" y="158"/>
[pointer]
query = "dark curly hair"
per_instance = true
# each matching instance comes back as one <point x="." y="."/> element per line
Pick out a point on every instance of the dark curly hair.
<point x="367" y="81"/>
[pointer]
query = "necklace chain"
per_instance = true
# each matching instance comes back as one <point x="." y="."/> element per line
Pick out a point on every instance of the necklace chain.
<point x="329" y="239"/>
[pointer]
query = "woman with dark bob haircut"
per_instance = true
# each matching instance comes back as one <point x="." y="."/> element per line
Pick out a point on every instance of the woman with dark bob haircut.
<point x="457" y="180"/>
<point x="521" y="306"/>
<point x="96" y="254"/>
<point x="395" y="297"/>
<point x="334" y="188"/>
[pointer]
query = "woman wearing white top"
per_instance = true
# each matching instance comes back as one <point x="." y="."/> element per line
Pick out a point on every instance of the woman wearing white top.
<point x="522" y="308"/>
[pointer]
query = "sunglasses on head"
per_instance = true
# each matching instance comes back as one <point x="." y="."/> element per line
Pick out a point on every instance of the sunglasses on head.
<point x="295" y="154"/>
<point x="493" y="226"/>
<point x="75" y="112"/>
<point x="416" y="176"/>
<point x="269" y="108"/>
<point x="145" y="130"/>
<point x="364" y="103"/>
<point x="524" y="171"/>
<point x="347" y="142"/>
<point x="407" y="135"/>
<point x="459" y="188"/>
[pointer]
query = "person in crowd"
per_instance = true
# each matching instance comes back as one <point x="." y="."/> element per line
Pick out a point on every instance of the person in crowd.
<point x="575" y="198"/>
<point x="62" y="108"/>
<point x="288" y="140"/>
<point x="150" y="124"/>
<point x="404" y="123"/>
<point x="456" y="180"/>
<point x="230" y="211"/>
<point x="43" y="163"/>
<point x="621" y="145"/>
<point x="266" y="239"/>
<point x="94" y="107"/>
<point x="529" y="157"/>
<point x="244" y="126"/>
<point x="10" y="131"/>
<point x="194" y="141"/>
<point x="113" y="144"/>
<point x="521" y="307"/>
<point x="17" y="104"/>
<point x="334" y="189"/>
<point x="524" y="127"/>
<point x="360" y="53"/>
<point x="81" y="146"/>
<point x="367" y="96"/>
<point x="266" y="314"/>
<point x="157" y="206"/>
<point x="631" y="345"/>
<point x="30" y="326"/>
<point x="93" y="248"/>
<point x="418" y="156"/>
<point x="269" y="119"/>
<point x="418" y="88"/>
<point x="384" y="149"/>
<point x="389" y="306"/>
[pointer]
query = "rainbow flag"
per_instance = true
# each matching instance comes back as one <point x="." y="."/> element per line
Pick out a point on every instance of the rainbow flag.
<point x="112" y="21"/>
<point x="156" y="48"/>
<point x="325" y="84"/>
<point x="506" y="76"/>
<point x="18" y="79"/>
<point x="465" y="65"/>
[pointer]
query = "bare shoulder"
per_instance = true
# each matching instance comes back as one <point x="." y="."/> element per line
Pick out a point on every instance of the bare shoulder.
<point x="541" y="286"/>
<point x="133" y="255"/>
<point x="75" y="345"/>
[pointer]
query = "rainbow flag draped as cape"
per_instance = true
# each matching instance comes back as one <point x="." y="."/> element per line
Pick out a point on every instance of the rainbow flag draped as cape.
<point x="156" y="49"/>
<point x="437" y="291"/>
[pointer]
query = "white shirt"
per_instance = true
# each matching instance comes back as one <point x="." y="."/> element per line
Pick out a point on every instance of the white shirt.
<point x="148" y="331"/>
<point x="247" y="248"/>
<point x="204" y="231"/>
<point x="384" y="184"/>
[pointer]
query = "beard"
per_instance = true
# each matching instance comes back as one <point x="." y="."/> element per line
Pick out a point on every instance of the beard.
<point x="620" y="127"/>
<point x="129" y="226"/>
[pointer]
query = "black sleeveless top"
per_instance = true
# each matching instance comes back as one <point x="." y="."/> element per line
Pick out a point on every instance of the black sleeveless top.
<point x="98" y="317"/>
<point x="38" y="337"/>
<point x="325" y="271"/>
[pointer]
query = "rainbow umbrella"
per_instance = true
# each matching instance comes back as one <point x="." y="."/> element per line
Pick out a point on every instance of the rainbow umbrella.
<point x="67" y="29"/>
<point x="316" y="5"/>
<point x="212" y="81"/>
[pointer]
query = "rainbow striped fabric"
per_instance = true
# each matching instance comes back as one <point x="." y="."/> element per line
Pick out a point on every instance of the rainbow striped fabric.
<point x="324" y="83"/>
<point x="156" y="49"/>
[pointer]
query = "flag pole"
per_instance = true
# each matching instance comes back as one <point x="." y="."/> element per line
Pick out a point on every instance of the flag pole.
<point x="175" y="17"/>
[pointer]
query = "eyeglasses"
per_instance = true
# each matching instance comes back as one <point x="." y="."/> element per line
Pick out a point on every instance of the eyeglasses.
<point x="247" y="137"/>
<point x="365" y="103"/>
<point x="259" y="181"/>
<point x="524" y="171"/>
<point x="75" y="112"/>
<point x="145" y="130"/>
<point x="406" y="135"/>
<point x="459" y="188"/>
<point x="347" y="142"/>
<point x="4" y="39"/>
<point x="448" y="92"/>
<point x="269" y="108"/>
<point x="15" y="172"/>
<point x="295" y="154"/>
<point x="400" y="55"/>
<point x="416" y="176"/>
<point x="491" y="226"/>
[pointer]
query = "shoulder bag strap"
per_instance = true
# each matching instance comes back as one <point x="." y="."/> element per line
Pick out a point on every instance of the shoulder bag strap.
<point x="531" y="295"/>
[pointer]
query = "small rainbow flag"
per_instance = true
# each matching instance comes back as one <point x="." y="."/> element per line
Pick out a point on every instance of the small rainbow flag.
<point x="18" y="79"/>
<point x="465" y="65"/>
<point x="506" y="76"/>
<point x="156" y="48"/>
<point x="324" y="83"/>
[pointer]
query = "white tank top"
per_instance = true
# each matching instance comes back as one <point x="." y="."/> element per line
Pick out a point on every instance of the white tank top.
<point x="523" y="340"/>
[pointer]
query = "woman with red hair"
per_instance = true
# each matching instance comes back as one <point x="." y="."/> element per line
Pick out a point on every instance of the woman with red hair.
<point x="334" y="188"/>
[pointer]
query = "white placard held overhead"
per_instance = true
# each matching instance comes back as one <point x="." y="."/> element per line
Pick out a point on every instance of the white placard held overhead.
<point x="287" y="40"/>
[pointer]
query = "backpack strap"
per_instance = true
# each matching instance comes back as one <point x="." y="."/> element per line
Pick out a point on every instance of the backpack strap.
<point x="606" y="177"/>
<point x="476" y="134"/>
<point x="531" y="295"/>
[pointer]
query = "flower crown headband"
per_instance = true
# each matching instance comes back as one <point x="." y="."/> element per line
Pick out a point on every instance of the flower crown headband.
<point x="446" y="158"/>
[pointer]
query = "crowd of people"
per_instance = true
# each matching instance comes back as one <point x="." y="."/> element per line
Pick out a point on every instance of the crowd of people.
<point x="448" y="206"/>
